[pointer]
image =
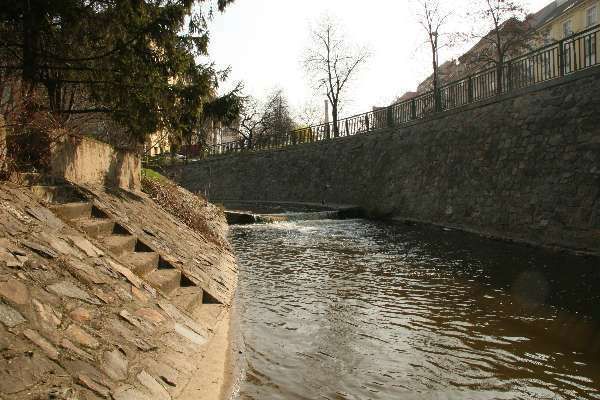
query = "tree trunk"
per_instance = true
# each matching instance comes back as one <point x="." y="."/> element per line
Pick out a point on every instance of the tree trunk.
<point x="436" y="91"/>
<point x="334" y="115"/>
<point x="499" y="76"/>
<point x="30" y="42"/>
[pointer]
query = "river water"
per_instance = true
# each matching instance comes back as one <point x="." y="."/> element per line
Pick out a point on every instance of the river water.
<point x="363" y="310"/>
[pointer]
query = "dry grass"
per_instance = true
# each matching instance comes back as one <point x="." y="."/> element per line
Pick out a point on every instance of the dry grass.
<point x="192" y="209"/>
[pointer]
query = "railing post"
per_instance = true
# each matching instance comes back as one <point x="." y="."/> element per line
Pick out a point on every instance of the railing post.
<point x="367" y="121"/>
<point x="413" y="109"/>
<point x="561" y="57"/>
<point x="390" y="116"/>
<point x="470" y="88"/>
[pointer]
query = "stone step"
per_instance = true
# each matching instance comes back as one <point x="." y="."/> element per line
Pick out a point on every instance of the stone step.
<point x="33" y="178"/>
<point x="208" y="315"/>
<point x="165" y="280"/>
<point x="97" y="226"/>
<point x="143" y="263"/>
<point x="120" y="244"/>
<point x="57" y="193"/>
<point x="73" y="211"/>
<point x="188" y="299"/>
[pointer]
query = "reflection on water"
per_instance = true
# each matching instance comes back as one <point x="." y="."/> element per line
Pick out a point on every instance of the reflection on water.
<point x="361" y="310"/>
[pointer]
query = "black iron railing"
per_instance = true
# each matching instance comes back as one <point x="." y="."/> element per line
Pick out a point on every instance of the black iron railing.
<point x="565" y="57"/>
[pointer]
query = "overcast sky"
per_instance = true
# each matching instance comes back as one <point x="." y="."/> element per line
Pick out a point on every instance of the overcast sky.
<point x="263" y="41"/>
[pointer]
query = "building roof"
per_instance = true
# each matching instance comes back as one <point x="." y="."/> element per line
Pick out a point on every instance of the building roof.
<point x="406" y="96"/>
<point x="552" y="11"/>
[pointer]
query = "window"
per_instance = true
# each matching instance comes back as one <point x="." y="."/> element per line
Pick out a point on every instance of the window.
<point x="568" y="58"/>
<point x="547" y="36"/>
<point x="546" y="66"/>
<point x="567" y="28"/>
<point x="591" y="16"/>
<point x="589" y="48"/>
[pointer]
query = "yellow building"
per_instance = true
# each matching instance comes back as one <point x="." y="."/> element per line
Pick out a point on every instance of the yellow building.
<point x="157" y="143"/>
<point x="562" y="18"/>
<point x="570" y="30"/>
<point x="558" y="22"/>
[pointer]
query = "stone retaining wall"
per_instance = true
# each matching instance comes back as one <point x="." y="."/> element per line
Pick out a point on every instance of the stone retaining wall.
<point x="86" y="161"/>
<point x="524" y="167"/>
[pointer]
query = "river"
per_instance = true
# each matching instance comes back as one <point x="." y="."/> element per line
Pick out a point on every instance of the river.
<point x="356" y="309"/>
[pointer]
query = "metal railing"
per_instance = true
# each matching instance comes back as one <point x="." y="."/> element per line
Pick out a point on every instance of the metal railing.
<point x="564" y="57"/>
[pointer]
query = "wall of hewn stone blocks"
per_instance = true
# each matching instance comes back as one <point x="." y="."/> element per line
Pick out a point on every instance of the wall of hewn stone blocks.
<point x="524" y="167"/>
<point x="86" y="161"/>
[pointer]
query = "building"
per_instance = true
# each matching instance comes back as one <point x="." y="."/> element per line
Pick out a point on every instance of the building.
<point x="558" y="20"/>
<point x="213" y="134"/>
<point x="157" y="143"/>
<point x="562" y="18"/>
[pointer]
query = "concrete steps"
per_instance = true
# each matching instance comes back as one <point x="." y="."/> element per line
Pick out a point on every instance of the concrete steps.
<point x="56" y="194"/>
<point x="128" y="249"/>
<point x="165" y="280"/>
<point x="120" y="245"/>
<point x="188" y="299"/>
<point x="144" y="263"/>
<point x="209" y="314"/>
<point x="72" y="211"/>
<point x="97" y="227"/>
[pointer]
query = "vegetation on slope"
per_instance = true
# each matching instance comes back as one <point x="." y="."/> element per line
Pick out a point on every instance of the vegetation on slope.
<point x="192" y="209"/>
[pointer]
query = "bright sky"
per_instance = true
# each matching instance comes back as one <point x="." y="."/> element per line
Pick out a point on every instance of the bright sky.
<point x="263" y="41"/>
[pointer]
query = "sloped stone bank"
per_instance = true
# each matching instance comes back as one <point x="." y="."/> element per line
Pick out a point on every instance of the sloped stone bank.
<point x="78" y="322"/>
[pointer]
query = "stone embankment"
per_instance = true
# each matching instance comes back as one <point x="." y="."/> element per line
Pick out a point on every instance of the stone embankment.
<point x="104" y="295"/>
<point x="524" y="166"/>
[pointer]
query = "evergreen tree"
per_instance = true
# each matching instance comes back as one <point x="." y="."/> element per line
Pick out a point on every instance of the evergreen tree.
<point x="135" y="60"/>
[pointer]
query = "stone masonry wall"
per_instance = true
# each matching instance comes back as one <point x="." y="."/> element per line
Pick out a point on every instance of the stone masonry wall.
<point x="86" y="161"/>
<point x="524" y="166"/>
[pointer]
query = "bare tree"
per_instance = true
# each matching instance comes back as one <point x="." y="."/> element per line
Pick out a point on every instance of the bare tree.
<point x="504" y="30"/>
<point x="310" y="113"/>
<point x="433" y="18"/>
<point x="250" y="121"/>
<point x="332" y="63"/>
<point x="268" y="118"/>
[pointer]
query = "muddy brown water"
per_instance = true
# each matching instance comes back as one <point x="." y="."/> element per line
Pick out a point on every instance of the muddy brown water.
<point x="363" y="310"/>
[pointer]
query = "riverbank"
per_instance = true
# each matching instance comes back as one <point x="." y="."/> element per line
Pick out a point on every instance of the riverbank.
<point x="104" y="294"/>
<point x="252" y="212"/>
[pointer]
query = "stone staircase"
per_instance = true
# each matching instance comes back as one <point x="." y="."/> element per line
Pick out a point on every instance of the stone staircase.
<point x="73" y="208"/>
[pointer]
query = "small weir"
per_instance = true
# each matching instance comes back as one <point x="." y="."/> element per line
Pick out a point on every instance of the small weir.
<point x="243" y="213"/>
<point x="353" y="309"/>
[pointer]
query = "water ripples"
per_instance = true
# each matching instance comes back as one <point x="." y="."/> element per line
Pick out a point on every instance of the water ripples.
<point x="359" y="310"/>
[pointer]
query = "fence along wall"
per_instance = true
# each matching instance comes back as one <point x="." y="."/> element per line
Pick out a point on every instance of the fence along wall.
<point x="554" y="61"/>
<point x="524" y="167"/>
